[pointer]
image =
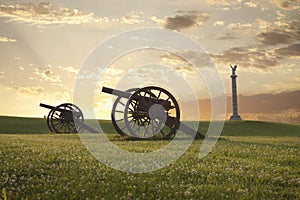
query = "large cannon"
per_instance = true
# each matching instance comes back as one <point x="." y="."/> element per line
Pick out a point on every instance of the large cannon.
<point x="147" y="111"/>
<point x="66" y="118"/>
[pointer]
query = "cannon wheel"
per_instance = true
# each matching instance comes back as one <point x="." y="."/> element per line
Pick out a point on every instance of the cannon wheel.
<point x="49" y="120"/>
<point x="61" y="118"/>
<point x="117" y="113"/>
<point x="154" y="101"/>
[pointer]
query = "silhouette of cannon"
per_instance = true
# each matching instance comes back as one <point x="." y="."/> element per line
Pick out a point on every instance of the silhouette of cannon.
<point x="147" y="111"/>
<point x="66" y="118"/>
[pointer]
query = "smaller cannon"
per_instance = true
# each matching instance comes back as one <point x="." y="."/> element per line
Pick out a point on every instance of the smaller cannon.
<point x="66" y="118"/>
<point x="147" y="111"/>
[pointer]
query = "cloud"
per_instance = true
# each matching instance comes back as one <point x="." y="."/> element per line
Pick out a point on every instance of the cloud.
<point x="247" y="57"/>
<point x="241" y="27"/>
<point x="47" y="75"/>
<point x="278" y="86"/>
<point x="219" y="2"/>
<point x="276" y="37"/>
<point x="281" y="107"/>
<point x="69" y="69"/>
<point x="178" y="64"/>
<point x="173" y="59"/>
<point x="6" y="39"/>
<point x="282" y="31"/>
<point x="286" y="4"/>
<point x="287" y="116"/>
<point x="183" y="20"/>
<point x="228" y="36"/>
<point x="187" y="58"/>
<point x="133" y="18"/>
<point x="270" y="103"/>
<point x="31" y="91"/>
<point x="44" y="13"/>
<point x="251" y="4"/>
<point x="218" y="23"/>
<point x="290" y="51"/>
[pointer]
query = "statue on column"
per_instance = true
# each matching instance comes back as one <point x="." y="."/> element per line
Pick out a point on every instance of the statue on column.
<point x="235" y="115"/>
<point x="233" y="69"/>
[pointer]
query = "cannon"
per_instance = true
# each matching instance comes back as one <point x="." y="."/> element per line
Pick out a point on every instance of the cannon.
<point x="144" y="112"/>
<point x="66" y="118"/>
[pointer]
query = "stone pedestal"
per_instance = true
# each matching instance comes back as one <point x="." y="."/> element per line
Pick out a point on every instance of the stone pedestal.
<point x="235" y="115"/>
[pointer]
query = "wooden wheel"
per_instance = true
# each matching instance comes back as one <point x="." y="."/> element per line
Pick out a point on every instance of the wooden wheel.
<point x="62" y="118"/>
<point x="152" y="110"/>
<point x="117" y="113"/>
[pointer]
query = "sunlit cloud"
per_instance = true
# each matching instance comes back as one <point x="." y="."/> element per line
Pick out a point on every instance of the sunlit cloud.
<point x="219" y="2"/>
<point x="251" y="4"/>
<point x="188" y="58"/>
<point x="47" y="75"/>
<point x="44" y="13"/>
<point x="218" y="23"/>
<point x="242" y="28"/>
<point x="6" y="39"/>
<point x="278" y="87"/>
<point x="282" y="4"/>
<point x="248" y="57"/>
<point x="133" y="18"/>
<point x="28" y="91"/>
<point x="69" y="69"/>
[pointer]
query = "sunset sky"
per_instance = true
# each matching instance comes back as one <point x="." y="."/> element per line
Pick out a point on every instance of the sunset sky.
<point x="43" y="46"/>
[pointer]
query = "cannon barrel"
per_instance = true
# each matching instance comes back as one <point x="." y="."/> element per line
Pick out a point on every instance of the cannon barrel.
<point x="127" y="95"/>
<point x="115" y="92"/>
<point x="46" y="106"/>
<point x="58" y="109"/>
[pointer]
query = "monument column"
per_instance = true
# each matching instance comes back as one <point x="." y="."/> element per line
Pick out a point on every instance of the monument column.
<point x="235" y="115"/>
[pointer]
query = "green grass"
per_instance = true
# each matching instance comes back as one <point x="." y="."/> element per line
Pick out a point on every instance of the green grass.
<point x="52" y="166"/>
<point x="22" y="125"/>
<point x="258" y="128"/>
<point x="252" y="160"/>
<point x="231" y="128"/>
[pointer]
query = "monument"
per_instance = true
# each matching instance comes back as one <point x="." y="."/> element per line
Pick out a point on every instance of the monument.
<point x="235" y="115"/>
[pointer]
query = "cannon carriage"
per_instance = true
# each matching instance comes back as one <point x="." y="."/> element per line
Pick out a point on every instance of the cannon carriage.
<point x="144" y="112"/>
<point x="66" y="118"/>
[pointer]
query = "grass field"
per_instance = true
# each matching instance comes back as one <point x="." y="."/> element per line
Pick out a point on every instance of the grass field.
<point x="245" y="164"/>
<point x="231" y="128"/>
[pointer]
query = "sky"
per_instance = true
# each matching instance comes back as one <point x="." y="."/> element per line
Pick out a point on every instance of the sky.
<point x="44" y="44"/>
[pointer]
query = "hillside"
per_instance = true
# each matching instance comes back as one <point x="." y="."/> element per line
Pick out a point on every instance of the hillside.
<point x="231" y="128"/>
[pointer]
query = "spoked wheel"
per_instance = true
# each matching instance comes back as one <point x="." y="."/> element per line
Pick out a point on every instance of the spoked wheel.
<point x="62" y="118"/>
<point x="117" y="113"/>
<point x="152" y="110"/>
<point x="49" y="121"/>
